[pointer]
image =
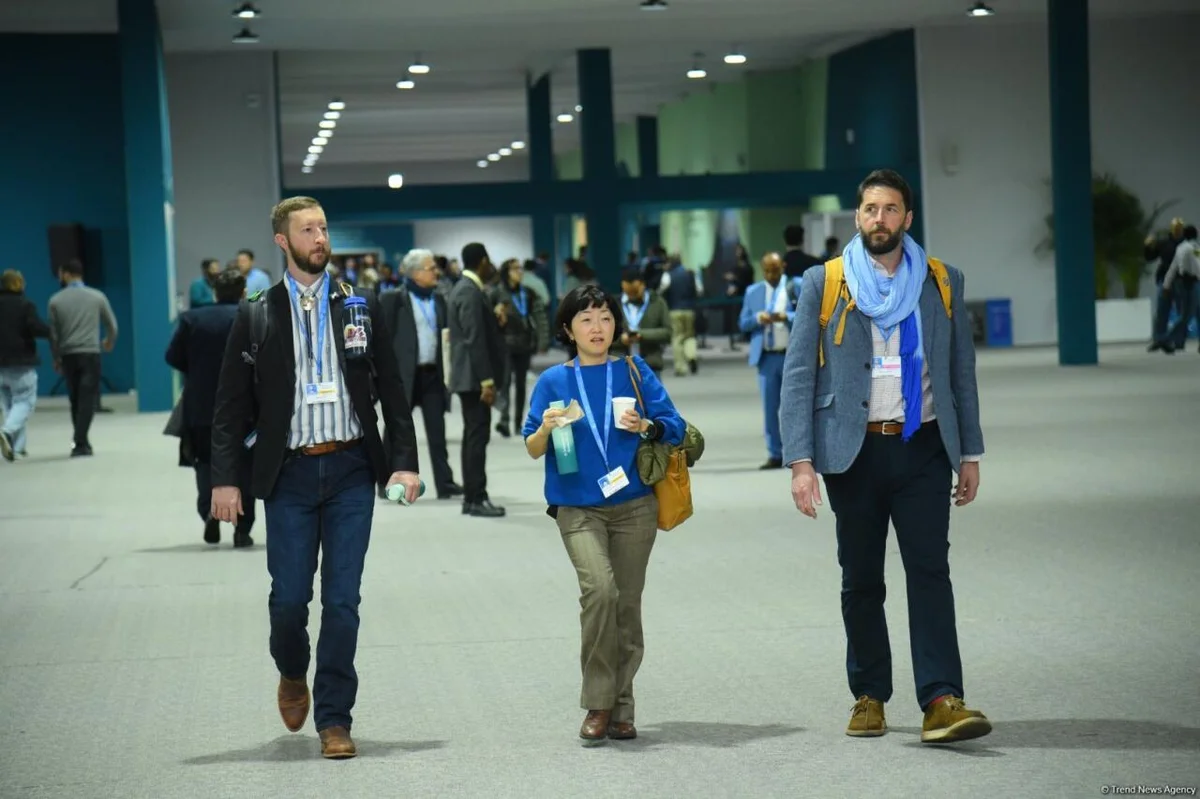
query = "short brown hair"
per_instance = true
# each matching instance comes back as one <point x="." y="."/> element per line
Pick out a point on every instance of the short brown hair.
<point x="13" y="281"/>
<point x="282" y="213"/>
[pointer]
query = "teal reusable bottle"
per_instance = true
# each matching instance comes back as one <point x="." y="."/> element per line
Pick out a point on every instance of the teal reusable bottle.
<point x="564" y="445"/>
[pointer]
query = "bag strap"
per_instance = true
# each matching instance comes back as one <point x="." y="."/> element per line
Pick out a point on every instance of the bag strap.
<point x="637" y="382"/>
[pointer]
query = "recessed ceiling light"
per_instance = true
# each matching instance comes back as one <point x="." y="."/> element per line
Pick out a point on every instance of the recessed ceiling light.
<point x="395" y="181"/>
<point x="418" y="67"/>
<point x="578" y="109"/>
<point x="326" y="133"/>
<point x="735" y="58"/>
<point x="696" y="73"/>
<point x="327" y="123"/>
<point x="406" y="84"/>
<point x="506" y="151"/>
<point x="333" y="114"/>
<point x="518" y="145"/>
<point x="320" y="140"/>
<point x="336" y="105"/>
<point x="310" y="161"/>
<point x="482" y="163"/>
<point x="246" y="11"/>
<point x="980" y="10"/>
<point x="654" y="5"/>
<point x="245" y="36"/>
<point x="306" y="170"/>
<point x="316" y="148"/>
<point x="494" y="157"/>
<point x="565" y="118"/>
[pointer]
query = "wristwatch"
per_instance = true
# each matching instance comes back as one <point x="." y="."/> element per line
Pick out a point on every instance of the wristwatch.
<point x="648" y="433"/>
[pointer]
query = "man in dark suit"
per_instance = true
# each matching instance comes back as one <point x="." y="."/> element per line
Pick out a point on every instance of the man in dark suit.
<point x="477" y="362"/>
<point x="416" y="315"/>
<point x="197" y="350"/>
<point x="298" y="387"/>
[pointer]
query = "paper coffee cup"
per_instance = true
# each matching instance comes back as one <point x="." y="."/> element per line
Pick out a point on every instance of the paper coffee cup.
<point x="620" y="405"/>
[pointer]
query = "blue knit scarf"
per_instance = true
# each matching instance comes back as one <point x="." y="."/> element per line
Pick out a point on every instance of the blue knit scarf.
<point x="892" y="301"/>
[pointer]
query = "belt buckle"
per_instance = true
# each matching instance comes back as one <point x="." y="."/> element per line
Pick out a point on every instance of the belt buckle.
<point x="891" y="428"/>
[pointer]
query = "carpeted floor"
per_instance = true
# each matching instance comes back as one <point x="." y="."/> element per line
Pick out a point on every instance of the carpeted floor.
<point x="134" y="658"/>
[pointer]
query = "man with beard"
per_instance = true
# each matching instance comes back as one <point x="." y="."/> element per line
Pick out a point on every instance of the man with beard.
<point x="300" y="402"/>
<point x="880" y="398"/>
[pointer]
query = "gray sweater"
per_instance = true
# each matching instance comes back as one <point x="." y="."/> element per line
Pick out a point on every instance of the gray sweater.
<point x="75" y="316"/>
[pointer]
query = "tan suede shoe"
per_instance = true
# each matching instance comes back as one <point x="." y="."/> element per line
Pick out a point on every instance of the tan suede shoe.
<point x="866" y="719"/>
<point x="948" y="720"/>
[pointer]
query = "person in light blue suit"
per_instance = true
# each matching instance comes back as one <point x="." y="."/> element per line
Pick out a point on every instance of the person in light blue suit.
<point x="767" y="313"/>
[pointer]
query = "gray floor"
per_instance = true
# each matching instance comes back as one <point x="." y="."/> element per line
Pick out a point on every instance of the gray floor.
<point x="134" y="659"/>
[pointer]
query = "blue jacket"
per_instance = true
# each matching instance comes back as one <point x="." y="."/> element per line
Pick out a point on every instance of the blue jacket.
<point x="754" y="303"/>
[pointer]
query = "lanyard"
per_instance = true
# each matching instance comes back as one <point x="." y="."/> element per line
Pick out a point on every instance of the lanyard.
<point x="636" y="319"/>
<point x="771" y="295"/>
<point x="322" y="320"/>
<point x="601" y="443"/>
<point x="521" y="302"/>
<point x="429" y="311"/>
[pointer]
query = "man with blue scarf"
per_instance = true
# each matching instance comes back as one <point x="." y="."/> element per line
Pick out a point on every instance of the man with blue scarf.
<point x="880" y="398"/>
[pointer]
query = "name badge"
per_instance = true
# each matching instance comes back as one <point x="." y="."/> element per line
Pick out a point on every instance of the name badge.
<point x="320" y="393"/>
<point x="886" y="366"/>
<point x="613" y="482"/>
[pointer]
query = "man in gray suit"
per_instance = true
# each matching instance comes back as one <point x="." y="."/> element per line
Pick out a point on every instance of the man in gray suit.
<point x="477" y="361"/>
<point x="880" y="398"/>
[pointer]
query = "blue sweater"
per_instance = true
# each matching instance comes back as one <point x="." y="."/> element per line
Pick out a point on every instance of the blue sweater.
<point x="582" y="489"/>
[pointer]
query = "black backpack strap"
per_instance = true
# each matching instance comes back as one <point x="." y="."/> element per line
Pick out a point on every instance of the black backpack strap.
<point x="256" y="307"/>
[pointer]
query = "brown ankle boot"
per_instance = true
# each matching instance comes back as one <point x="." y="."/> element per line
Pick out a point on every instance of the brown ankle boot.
<point x="294" y="701"/>
<point x="595" y="726"/>
<point x="336" y="744"/>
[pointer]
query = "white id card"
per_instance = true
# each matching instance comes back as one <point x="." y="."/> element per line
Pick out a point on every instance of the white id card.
<point x="886" y="366"/>
<point x="613" y="482"/>
<point x="320" y="393"/>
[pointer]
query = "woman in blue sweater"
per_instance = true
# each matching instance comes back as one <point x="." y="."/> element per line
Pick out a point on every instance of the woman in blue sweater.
<point x="607" y="516"/>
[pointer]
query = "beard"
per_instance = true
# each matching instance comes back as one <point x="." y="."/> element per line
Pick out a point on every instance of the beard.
<point x="875" y="246"/>
<point x="313" y="262"/>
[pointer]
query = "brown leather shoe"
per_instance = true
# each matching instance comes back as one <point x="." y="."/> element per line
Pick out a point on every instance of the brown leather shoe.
<point x="947" y="720"/>
<point x="336" y="744"/>
<point x="294" y="701"/>
<point x="595" y="726"/>
<point x="866" y="719"/>
<point x="622" y="731"/>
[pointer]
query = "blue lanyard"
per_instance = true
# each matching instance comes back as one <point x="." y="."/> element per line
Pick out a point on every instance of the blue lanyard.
<point x="636" y="319"/>
<point x="322" y="320"/>
<point x="601" y="443"/>
<point x="521" y="302"/>
<point x="429" y="311"/>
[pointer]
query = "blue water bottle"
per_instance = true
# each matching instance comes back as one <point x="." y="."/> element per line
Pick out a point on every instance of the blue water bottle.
<point x="397" y="493"/>
<point x="564" y="445"/>
<point x="356" y="327"/>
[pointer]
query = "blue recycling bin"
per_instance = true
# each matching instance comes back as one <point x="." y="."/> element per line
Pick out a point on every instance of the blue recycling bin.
<point x="998" y="327"/>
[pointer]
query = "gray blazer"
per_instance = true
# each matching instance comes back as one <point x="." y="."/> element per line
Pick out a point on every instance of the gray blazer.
<point x="476" y="344"/>
<point x="823" y="411"/>
<point x="397" y="308"/>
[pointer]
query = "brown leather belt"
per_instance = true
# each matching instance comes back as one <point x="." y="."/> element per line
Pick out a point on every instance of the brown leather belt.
<point x="885" y="428"/>
<point x="328" y="447"/>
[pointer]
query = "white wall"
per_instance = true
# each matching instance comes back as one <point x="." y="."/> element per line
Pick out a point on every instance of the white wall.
<point x="226" y="158"/>
<point x="984" y="90"/>
<point x="504" y="236"/>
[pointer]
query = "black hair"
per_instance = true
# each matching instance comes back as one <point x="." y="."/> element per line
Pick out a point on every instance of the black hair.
<point x="229" y="285"/>
<point x="582" y="298"/>
<point x="888" y="178"/>
<point x="205" y="263"/>
<point x="631" y="274"/>
<point x="793" y="235"/>
<point x="72" y="267"/>
<point x="1189" y="232"/>
<point x="248" y="253"/>
<point x="473" y="255"/>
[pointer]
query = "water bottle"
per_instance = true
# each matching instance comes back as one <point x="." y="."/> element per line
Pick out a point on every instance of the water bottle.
<point x="564" y="445"/>
<point x="356" y="327"/>
<point x="397" y="493"/>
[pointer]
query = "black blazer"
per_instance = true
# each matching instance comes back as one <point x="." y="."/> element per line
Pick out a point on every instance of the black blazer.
<point x="477" y="351"/>
<point x="269" y="400"/>
<point x="197" y="350"/>
<point x="19" y="326"/>
<point x="397" y="308"/>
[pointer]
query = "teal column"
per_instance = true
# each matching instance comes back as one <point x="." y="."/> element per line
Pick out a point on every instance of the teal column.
<point x="647" y="141"/>
<point x="148" y="185"/>
<point x="598" y="133"/>
<point x="1071" y="160"/>
<point x="541" y="164"/>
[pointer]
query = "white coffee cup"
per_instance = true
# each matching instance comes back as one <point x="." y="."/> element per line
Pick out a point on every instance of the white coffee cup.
<point x="620" y="405"/>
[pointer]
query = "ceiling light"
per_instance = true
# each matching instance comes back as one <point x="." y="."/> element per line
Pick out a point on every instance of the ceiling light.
<point x="654" y="5"/>
<point x="395" y="181"/>
<point x="506" y="151"/>
<point x="735" y="58"/>
<point x="316" y="148"/>
<point x="565" y="118"/>
<point x="518" y="145"/>
<point x="327" y="123"/>
<point x="406" y="84"/>
<point x="578" y="109"/>
<point x="333" y="114"/>
<point x="320" y="140"/>
<point x="246" y="36"/>
<point x="310" y="161"/>
<point x="306" y="170"/>
<point x="246" y="11"/>
<point x="336" y="105"/>
<point x="980" y="10"/>
<point x="417" y="67"/>
<point x="696" y="73"/>
<point x="494" y="157"/>
<point x="326" y="133"/>
<point x="482" y="163"/>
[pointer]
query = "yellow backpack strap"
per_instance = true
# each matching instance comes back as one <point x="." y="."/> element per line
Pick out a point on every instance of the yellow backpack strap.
<point x="941" y="277"/>
<point x="835" y="287"/>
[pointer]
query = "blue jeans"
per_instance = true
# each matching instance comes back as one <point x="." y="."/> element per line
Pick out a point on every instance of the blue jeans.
<point x="18" y="396"/>
<point x="770" y="386"/>
<point x="323" y="502"/>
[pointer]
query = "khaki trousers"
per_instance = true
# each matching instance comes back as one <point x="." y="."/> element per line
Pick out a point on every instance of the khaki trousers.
<point x="610" y="548"/>
<point x="683" y="340"/>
